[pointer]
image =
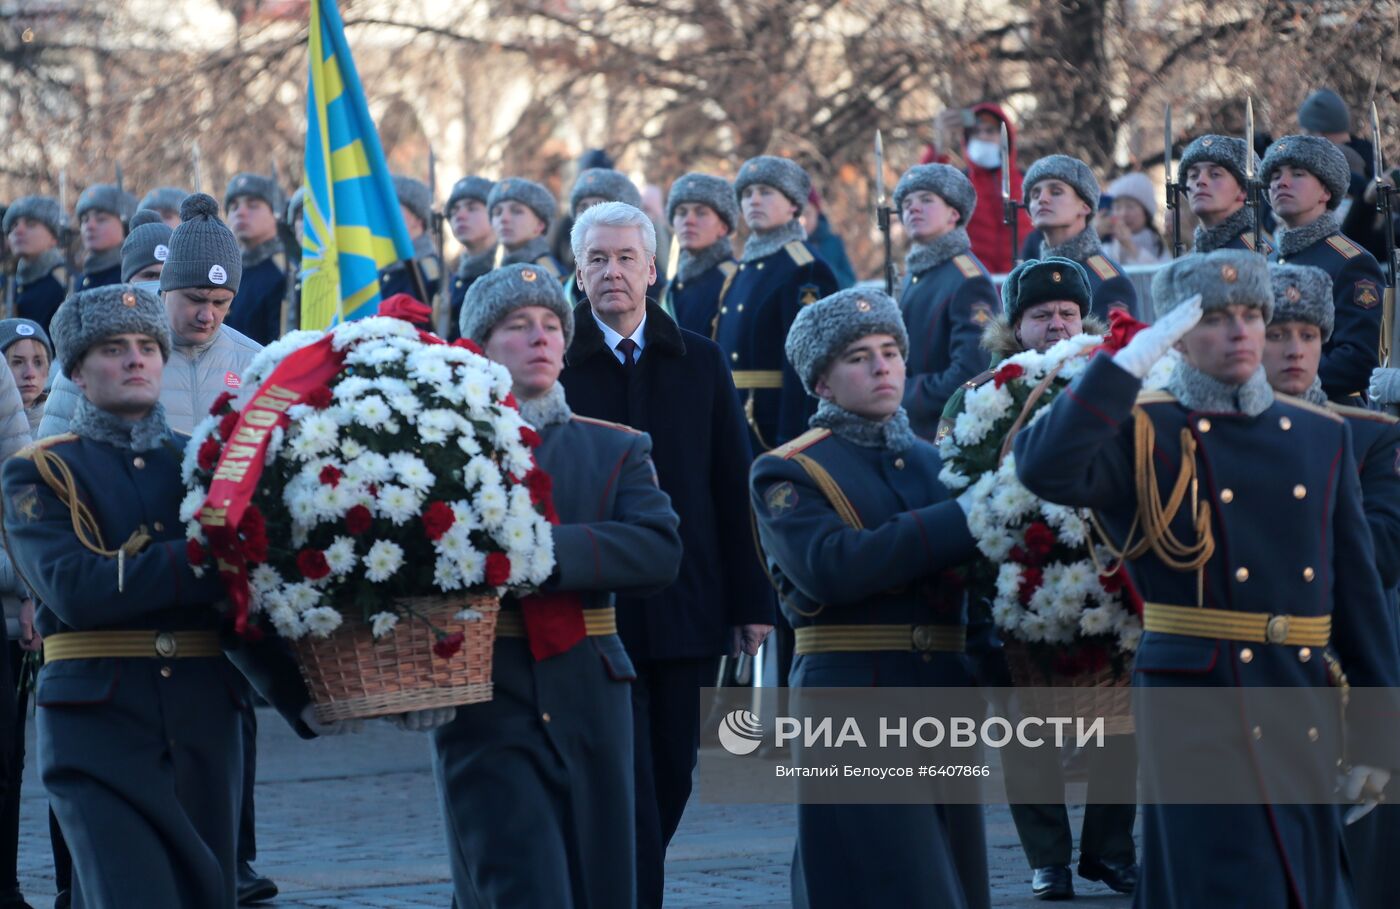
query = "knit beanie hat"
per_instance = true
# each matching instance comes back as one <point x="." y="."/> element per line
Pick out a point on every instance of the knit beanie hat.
<point x="203" y="251"/>
<point x="147" y="244"/>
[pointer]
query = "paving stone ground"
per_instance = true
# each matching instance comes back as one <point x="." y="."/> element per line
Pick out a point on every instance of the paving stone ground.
<point x="353" y="821"/>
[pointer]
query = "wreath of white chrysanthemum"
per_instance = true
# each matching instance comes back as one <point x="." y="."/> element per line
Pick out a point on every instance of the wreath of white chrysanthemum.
<point x="410" y="426"/>
<point x="1070" y="602"/>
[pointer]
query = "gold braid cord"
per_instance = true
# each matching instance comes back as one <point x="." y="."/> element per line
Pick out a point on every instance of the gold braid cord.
<point x="1155" y="519"/>
<point x="59" y="477"/>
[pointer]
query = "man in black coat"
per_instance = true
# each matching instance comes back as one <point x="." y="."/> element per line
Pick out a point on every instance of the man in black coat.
<point x="630" y="363"/>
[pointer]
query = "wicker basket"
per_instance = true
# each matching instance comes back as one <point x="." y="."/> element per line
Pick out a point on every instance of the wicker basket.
<point x="1091" y="694"/>
<point x="350" y="675"/>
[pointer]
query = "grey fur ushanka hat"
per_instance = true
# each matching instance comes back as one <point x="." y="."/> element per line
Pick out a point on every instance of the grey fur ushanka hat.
<point x="783" y="174"/>
<point x="1066" y="169"/>
<point x="1223" y="278"/>
<point x="44" y="209"/>
<point x="106" y="197"/>
<point x="705" y="189"/>
<point x="825" y="328"/>
<point x="948" y="183"/>
<point x="478" y="188"/>
<point x="90" y="316"/>
<point x="1303" y="293"/>
<point x="606" y="184"/>
<point x="502" y="291"/>
<point x="528" y="193"/>
<point x="1227" y="151"/>
<point x="1318" y="156"/>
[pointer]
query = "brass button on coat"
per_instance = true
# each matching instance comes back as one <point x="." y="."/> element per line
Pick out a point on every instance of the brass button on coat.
<point x="1246" y="655"/>
<point x="1258" y="733"/>
<point x="1313" y="735"/>
<point x="138" y="462"/>
<point x="1300" y="491"/>
<point x="1203" y="425"/>
<point x="1285" y="424"/>
<point x="165" y="672"/>
<point x="545" y="716"/>
<point x="1227" y="496"/>
<point x="1304" y="654"/>
<point x="1308" y="573"/>
<point x="1242" y="574"/>
<point x="898" y="463"/>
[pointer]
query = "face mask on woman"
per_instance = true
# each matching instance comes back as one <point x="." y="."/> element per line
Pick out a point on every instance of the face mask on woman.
<point x="984" y="154"/>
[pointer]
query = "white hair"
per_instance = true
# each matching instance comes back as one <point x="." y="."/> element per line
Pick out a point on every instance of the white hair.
<point x="611" y="214"/>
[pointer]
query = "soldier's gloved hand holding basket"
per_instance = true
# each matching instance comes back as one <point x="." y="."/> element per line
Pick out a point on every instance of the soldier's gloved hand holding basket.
<point x="371" y="501"/>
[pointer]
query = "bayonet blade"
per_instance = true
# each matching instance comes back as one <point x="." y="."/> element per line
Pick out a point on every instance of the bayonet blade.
<point x="1167" y="156"/>
<point x="1005" y="163"/>
<point x="1249" y="138"/>
<point x="1379" y="160"/>
<point x="879" y="169"/>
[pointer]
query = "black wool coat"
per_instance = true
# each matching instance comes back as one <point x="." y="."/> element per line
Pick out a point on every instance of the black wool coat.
<point x="681" y="393"/>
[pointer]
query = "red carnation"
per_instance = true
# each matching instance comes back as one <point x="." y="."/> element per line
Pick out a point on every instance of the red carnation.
<point x="330" y="475"/>
<point x="253" y="530"/>
<point x="209" y="451"/>
<point x="1031" y="580"/>
<point x="1007" y="373"/>
<point x="1040" y="539"/>
<point x="226" y="425"/>
<point x="195" y="552"/>
<point x="312" y="564"/>
<point x="468" y="344"/>
<point x="529" y="437"/>
<point x="357" y="520"/>
<point x="497" y="569"/>
<point x="438" y="518"/>
<point x="447" y="645"/>
<point x="222" y="401"/>
<point x="510" y="401"/>
<point x="319" y="397"/>
<point x="1112" y="583"/>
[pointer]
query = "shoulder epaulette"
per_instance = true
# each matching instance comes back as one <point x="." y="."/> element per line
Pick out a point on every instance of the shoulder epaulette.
<point x="1308" y="406"/>
<point x="1361" y="413"/>
<point x="27" y="452"/>
<point x="607" y="423"/>
<point x="967" y="265"/>
<point x="1247" y="238"/>
<point x="729" y="268"/>
<point x="800" y="253"/>
<point x="1156" y="396"/>
<point x="1102" y="267"/>
<point x="1341" y="244"/>
<point x="547" y="263"/>
<point x="800" y="444"/>
<point x="280" y="260"/>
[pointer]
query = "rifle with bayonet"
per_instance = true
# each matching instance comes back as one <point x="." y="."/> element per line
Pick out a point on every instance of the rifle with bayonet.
<point x="1255" y="189"/>
<point x="442" y="311"/>
<point x="882" y="212"/>
<point x="196" y="168"/>
<point x="1010" y="208"/>
<point x="1384" y="205"/>
<point x="1174" y="188"/>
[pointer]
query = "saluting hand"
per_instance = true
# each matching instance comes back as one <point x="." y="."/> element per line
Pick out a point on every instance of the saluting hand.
<point x="1152" y="343"/>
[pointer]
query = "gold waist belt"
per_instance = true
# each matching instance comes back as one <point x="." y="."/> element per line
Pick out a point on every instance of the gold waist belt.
<point x="92" y="645"/>
<point x="510" y="623"/>
<point x="758" y="378"/>
<point x="848" y="638"/>
<point x="1229" y="625"/>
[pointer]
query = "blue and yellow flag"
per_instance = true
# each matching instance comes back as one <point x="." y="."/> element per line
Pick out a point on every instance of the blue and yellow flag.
<point x="352" y="224"/>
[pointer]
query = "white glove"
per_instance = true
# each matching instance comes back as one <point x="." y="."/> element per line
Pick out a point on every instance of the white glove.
<point x="1152" y="343"/>
<point x="334" y="727"/>
<point x="1385" y="385"/>
<point x="423" y="720"/>
<point x="1364" y="785"/>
